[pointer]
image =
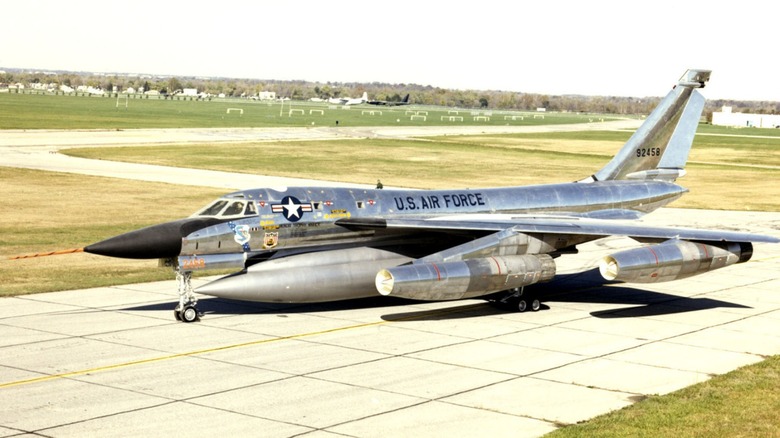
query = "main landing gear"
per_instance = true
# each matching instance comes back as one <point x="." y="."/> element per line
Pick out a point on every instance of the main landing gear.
<point x="186" y="310"/>
<point x="521" y="301"/>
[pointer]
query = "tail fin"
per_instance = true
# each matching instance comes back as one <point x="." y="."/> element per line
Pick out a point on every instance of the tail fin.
<point x="659" y="148"/>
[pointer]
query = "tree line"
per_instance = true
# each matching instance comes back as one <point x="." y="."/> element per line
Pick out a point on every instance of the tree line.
<point x="419" y="94"/>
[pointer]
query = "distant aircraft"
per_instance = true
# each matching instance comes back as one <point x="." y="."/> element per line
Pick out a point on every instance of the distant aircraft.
<point x="405" y="101"/>
<point x="314" y="244"/>
<point x="349" y="100"/>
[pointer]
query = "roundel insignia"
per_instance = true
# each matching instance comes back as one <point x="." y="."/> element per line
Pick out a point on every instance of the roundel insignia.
<point x="292" y="208"/>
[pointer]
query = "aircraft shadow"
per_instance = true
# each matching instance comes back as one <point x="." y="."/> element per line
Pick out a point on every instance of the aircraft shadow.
<point x="584" y="287"/>
<point x="222" y="306"/>
<point x="588" y="287"/>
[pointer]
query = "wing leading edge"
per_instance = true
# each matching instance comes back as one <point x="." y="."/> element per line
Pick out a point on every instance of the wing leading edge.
<point x="564" y="225"/>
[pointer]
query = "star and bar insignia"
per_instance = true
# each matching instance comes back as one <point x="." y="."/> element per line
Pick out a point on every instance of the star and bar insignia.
<point x="292" y="208"/>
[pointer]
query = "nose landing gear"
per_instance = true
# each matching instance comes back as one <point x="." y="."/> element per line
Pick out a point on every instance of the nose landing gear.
<point x="186" y="310"/>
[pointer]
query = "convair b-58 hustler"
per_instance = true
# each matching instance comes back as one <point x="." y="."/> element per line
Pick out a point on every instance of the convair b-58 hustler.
<point x="315" y="244"/>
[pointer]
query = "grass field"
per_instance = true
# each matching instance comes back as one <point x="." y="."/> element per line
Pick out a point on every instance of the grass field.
<point x="43" y="111"/>
<point x="724" y="172"/>
<point x="742" y="403"/>
<point x="48" y="211"/>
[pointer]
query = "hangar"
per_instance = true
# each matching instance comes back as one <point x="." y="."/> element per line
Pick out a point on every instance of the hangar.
<point x="726" y="117"/>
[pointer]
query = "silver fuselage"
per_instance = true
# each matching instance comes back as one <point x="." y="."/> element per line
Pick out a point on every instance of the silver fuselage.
<point x="305" y="217"/>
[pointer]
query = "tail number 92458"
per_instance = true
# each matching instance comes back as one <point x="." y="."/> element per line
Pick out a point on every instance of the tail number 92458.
<point x="648" y="152"/>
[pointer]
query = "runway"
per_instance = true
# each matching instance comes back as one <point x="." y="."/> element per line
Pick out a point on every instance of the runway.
<point x="113" y="361"/>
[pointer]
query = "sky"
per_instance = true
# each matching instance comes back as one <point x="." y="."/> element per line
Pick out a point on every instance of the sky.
<point x="596" y="47"/>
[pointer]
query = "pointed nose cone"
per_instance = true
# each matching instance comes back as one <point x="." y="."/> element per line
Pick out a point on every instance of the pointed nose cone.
<point x="236" y="286"/>
<point x="154" y="242"/>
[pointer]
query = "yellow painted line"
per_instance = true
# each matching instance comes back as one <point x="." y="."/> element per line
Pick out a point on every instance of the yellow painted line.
<point x="222" y="348"/>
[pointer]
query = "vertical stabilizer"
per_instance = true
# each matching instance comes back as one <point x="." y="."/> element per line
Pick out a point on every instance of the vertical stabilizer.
<point x="659" y="148"/>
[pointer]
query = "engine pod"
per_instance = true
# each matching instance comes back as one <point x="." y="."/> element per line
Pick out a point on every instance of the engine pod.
<point x="672" y="260"/>
<point x="464" y="279"/>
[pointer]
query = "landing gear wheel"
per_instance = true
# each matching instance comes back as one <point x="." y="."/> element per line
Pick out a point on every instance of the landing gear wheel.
<point x="186" y="311"/>
<point x="522" y="305"/>
<point x="536" y="305"/>
<point x="189" y="314"/>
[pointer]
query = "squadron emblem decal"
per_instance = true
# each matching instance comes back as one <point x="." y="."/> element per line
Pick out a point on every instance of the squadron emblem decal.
<point x="270" y="240"/>
<point x="292" y="208"/>
<point x="241" y="235"/>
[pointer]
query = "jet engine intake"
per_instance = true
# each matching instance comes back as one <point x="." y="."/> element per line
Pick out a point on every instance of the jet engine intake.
<point x="672" y="260"/>
<point x="464" y="279"/>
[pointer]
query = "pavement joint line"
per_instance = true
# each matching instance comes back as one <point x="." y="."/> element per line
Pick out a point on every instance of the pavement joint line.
<point x="215" y="349"/>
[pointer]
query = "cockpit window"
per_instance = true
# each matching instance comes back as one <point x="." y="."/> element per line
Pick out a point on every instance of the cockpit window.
<point x="234" y="209"/>
<point x="229" y="208"/>
<point x="214" y="209"/>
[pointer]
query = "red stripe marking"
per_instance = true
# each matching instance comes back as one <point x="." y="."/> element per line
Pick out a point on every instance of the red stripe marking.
<point x="654" y="274"/>
<point x="654" y="255"/>
<point x="438" y="274"/>
<point x="497" y="265"/>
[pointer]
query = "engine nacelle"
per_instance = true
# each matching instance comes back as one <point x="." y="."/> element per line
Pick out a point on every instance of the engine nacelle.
<point x="307" y="278"/>
<point x="672" y="260"/>
<point x="466" y="278"/>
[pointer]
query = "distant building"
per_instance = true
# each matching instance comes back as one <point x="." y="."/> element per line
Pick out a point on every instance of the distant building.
<point x="266" y="95"/>
<point x="90" y="90"/>
<point x="744" y="120"/>
<point x="189" y="92"/>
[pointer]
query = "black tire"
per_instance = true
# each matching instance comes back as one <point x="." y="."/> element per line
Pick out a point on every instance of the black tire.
<point x="522" y="306"/>
<point x="536" y="305"/>
<point x="189" y="314"/>
<point x="177" y="313"/>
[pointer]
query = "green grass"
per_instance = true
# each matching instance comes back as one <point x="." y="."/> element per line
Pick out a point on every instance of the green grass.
<point x="45" y="111"/>
<point x="742" y="403"/>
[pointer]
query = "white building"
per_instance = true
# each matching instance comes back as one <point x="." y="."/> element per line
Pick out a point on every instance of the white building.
<point x="745" y="120"/>
<point x="266" y="95"/>
<point x="90" y="90"/>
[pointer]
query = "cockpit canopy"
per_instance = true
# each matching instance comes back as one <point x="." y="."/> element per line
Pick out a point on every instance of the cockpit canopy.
<point x="228" y="208"/>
